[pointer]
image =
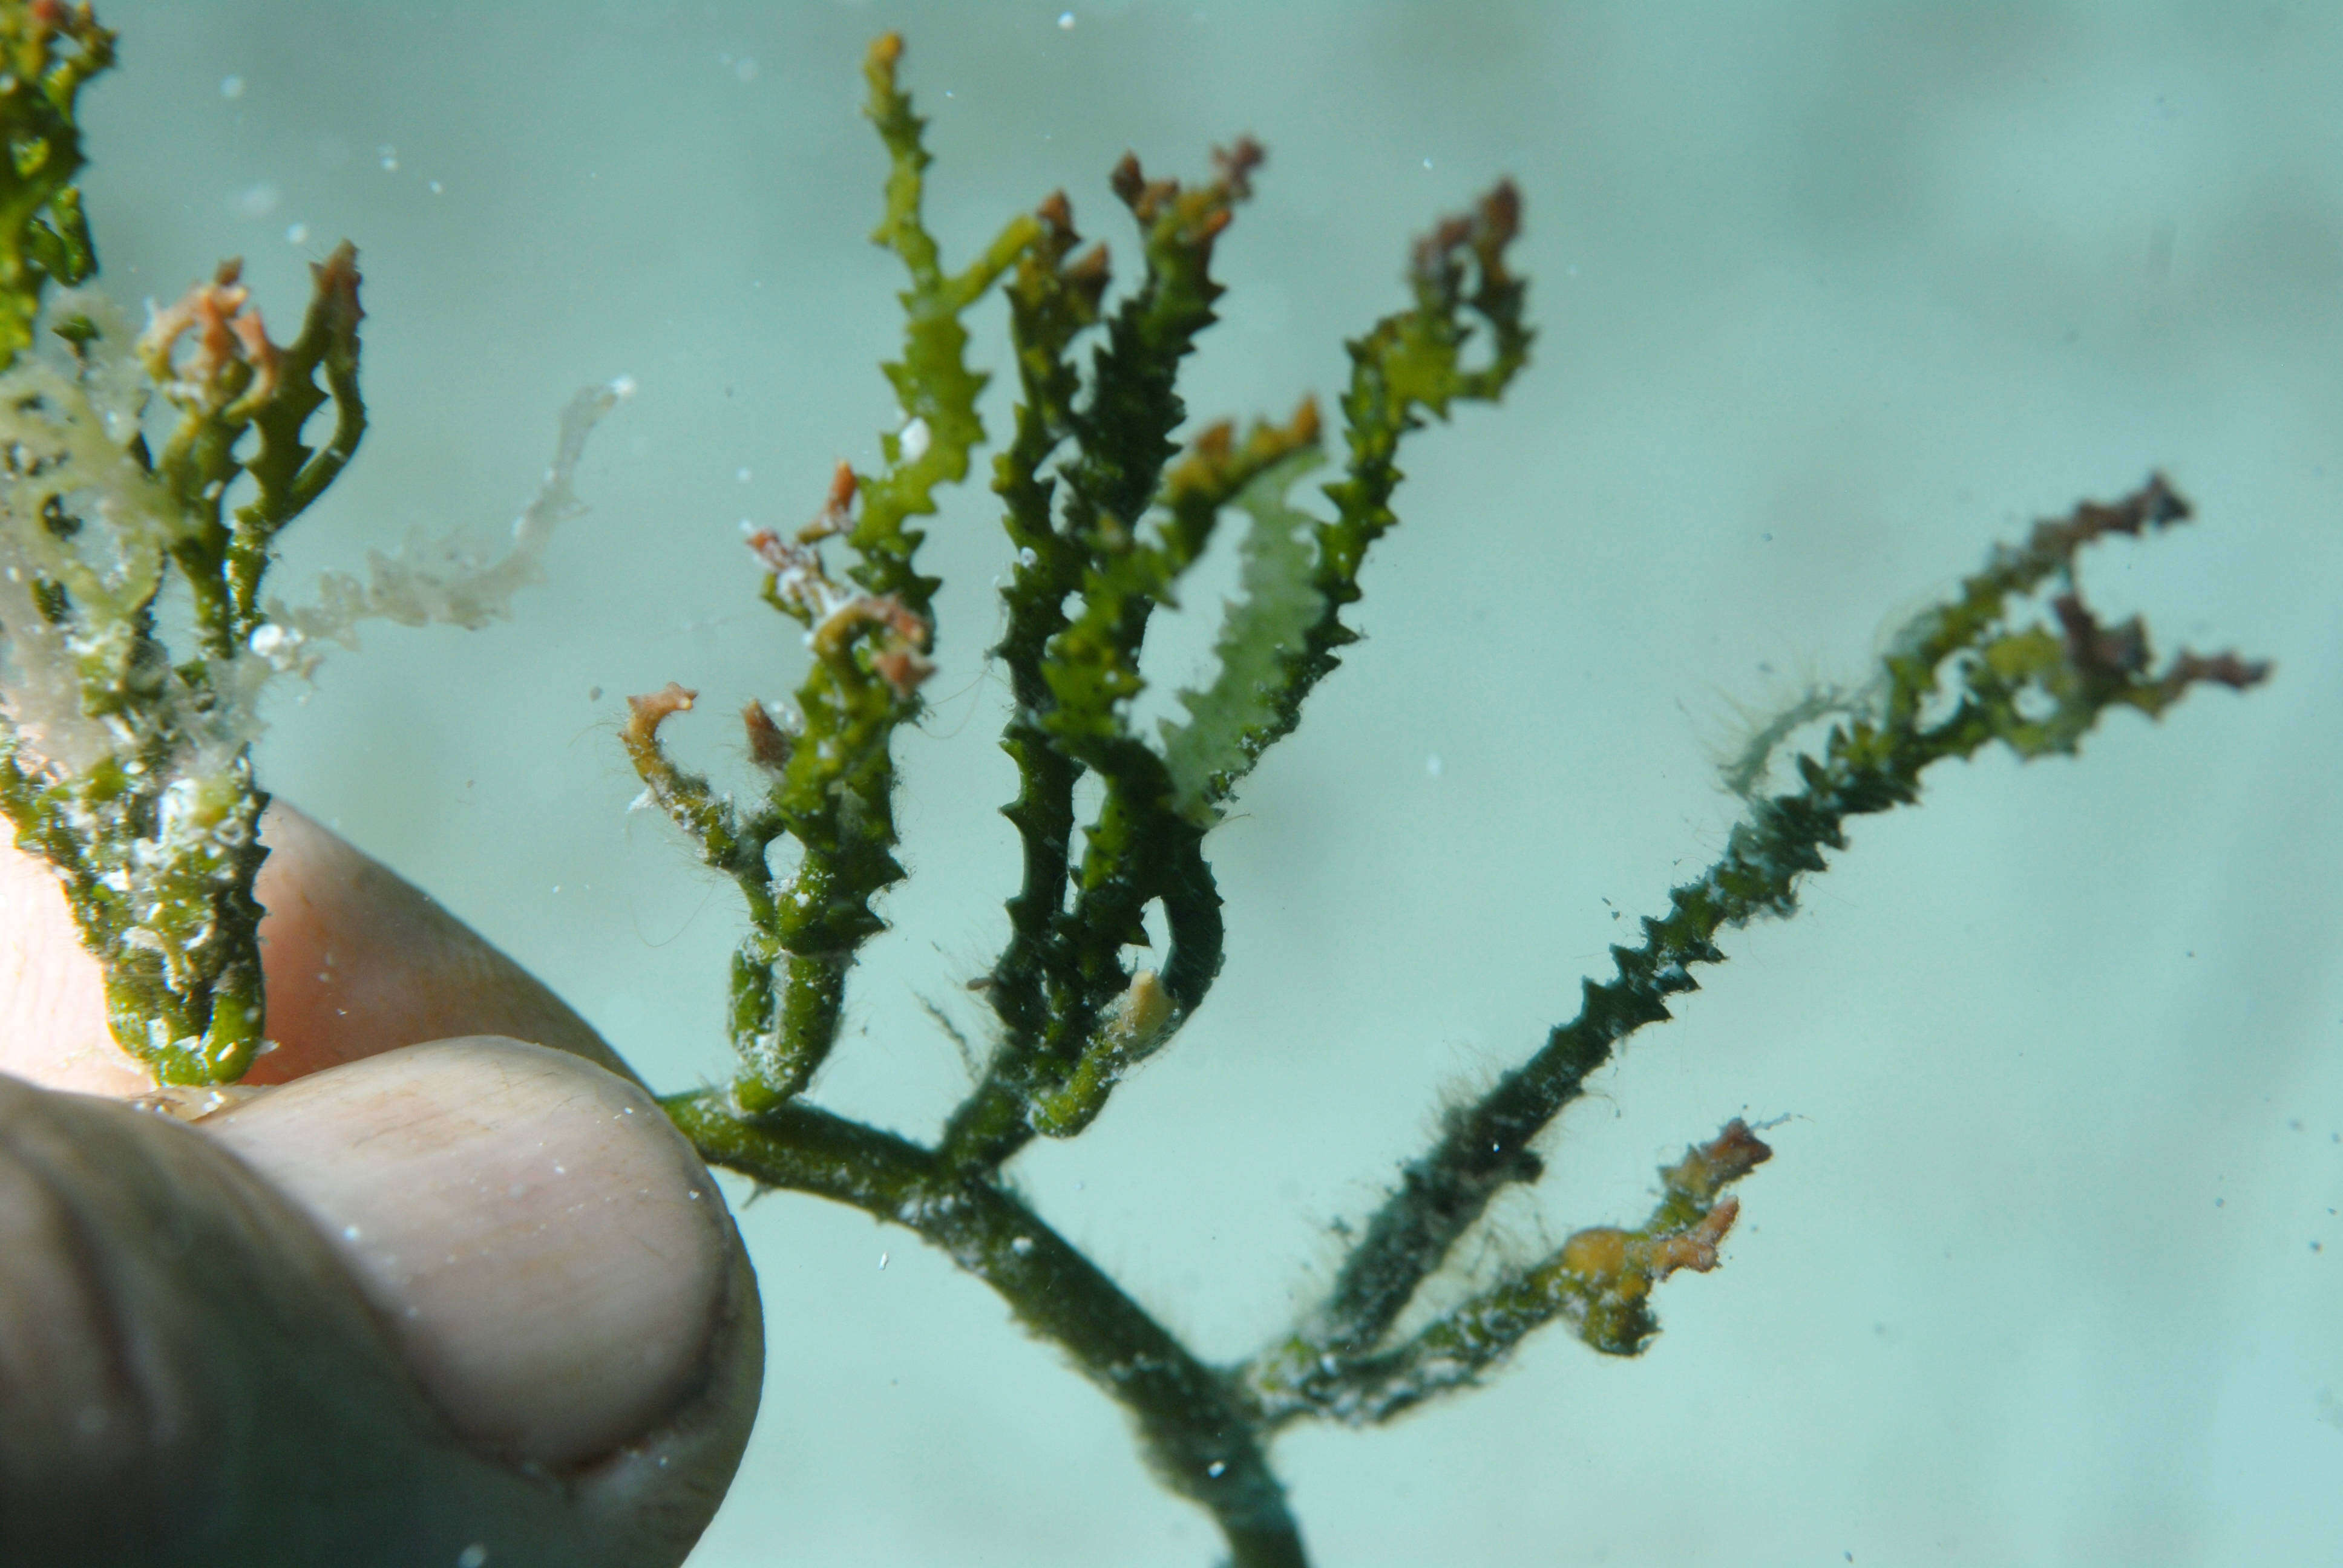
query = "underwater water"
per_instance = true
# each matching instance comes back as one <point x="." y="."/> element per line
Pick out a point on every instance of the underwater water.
<point x="1831" y="297"/>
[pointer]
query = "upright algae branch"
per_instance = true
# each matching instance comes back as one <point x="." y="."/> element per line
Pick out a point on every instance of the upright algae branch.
<point x="1104" y="514"/>
<point x="125" y="763"/>
<point x="144" y="478"/>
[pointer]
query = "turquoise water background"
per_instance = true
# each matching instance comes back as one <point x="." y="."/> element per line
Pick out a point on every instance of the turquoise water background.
<point x="2047" y="1269"/>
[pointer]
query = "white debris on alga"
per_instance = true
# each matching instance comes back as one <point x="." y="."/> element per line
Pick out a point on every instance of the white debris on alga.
<point x="67" y="424"/>
<point x="442" y="580"/>
<point x="65" y="429"/>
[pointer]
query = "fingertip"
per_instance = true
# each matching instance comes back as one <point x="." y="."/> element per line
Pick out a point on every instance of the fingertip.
<point x="53" y="1028"/>
<point x="360" y="961"/>
<point x="549" y="1253"/>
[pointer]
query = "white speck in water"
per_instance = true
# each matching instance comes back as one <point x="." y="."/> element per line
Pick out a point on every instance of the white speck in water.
<point x="1023" y="1246"/>
<point x="693" y="1194"/>
<point x="436" y="187"/>
<point x="349" y="1233"/>
<point x="743" y="474"/>
<point x="297" y="234"/>
<point x="914" y="438"/>
<point x="257" y="200"/>
<point x="557" y="887"/>
<point x="1432" y="765"/>
<point x="561" y="1170"/>
<point x="473" y="1556"/>
<point x="662" y="1461"/>
<point x="390" y="156"/>
<point x="1217" y="1469"/>
<point x="1066" y="20"/>
<point x="642" y="802"/>
<point x="1027" y="559"/>
<point x="882" y="1262"/>
<point x="231" y="86"/>
<point x="1427" y="163"/>
<point x="745" y="67"/>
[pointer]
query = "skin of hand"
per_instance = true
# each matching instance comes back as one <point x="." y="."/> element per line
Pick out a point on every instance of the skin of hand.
<point x="449" y="1293"/>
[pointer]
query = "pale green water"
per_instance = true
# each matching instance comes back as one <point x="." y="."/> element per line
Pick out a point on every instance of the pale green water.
<point x="1832" y="296"/>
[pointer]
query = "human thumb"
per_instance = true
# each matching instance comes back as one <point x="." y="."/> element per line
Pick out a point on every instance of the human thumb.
<point x="470" y="1305"/>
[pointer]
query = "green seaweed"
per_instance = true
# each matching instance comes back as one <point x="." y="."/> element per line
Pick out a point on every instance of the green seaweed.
<point x="127" y="766"/>
<point x="1235" y="719"/>
<point x="47" y="54"/>
<point x="123" y="764"/>
<point x="1105" y="525"/>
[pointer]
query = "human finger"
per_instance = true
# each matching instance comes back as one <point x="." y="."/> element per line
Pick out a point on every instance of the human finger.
<point x="473" y="1303"/>
<point x="357" y="959"/>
